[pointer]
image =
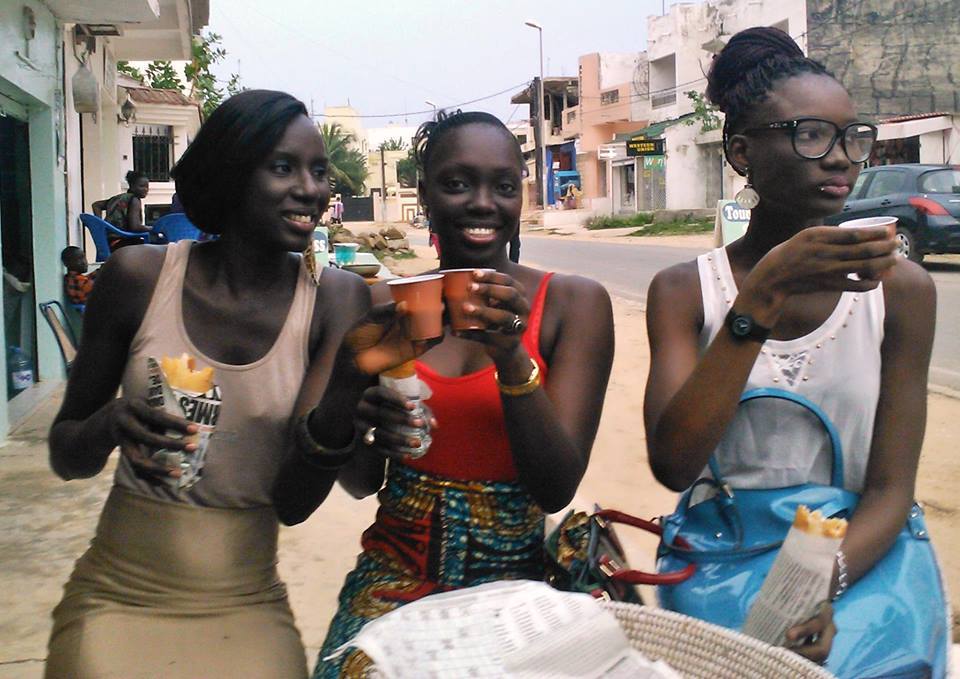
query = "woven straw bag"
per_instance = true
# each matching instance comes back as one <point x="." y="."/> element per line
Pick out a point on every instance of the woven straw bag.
<point x="698" y="649"/>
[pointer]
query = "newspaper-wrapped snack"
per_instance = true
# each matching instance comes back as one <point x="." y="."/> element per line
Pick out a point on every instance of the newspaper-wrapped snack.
<point x="799" y="579"/>
<point x="404" y="379"/>
<point x="181" y="390"/>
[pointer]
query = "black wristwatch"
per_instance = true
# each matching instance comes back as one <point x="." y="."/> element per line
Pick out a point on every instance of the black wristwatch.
<point x="743" y="327"/>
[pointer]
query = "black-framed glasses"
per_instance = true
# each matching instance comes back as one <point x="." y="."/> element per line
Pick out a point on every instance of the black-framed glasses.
<point x="814" y="138"/>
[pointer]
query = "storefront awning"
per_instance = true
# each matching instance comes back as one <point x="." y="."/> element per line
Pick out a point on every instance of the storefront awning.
<point x="651" y="131"/>
<point x="903" y="127"/>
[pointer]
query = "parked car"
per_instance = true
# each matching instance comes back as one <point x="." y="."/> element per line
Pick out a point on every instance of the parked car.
<point x="925" y="199"/>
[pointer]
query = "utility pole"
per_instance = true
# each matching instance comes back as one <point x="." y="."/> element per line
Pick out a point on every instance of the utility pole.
<point x="541" y="125"/>
<point x="383" y="187"/>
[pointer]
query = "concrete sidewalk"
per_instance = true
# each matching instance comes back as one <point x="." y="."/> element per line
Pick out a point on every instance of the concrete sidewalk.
<point x="45" y="524"/>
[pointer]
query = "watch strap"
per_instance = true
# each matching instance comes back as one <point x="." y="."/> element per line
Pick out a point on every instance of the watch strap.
<point x="743" y="327"/>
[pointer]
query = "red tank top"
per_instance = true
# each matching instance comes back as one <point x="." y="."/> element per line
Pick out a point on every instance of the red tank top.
<point x="471" y="443"/>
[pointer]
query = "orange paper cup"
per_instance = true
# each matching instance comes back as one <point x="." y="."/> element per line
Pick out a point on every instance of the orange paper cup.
<point x="423" y="298"/>
<point x="456" y="291"/>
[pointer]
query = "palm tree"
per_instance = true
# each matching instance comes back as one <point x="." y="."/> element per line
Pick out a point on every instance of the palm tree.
<point x="393" y="144"/>
<point x="346" y="166"/>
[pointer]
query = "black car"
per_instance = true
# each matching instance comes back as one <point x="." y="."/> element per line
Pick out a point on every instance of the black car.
<point x="925" y="199"/>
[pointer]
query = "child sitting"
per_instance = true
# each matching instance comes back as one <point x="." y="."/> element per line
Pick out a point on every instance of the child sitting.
<point x="77" y="283"/>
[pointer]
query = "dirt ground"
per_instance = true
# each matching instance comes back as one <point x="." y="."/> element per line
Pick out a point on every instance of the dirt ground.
<point x="45" y="524"/>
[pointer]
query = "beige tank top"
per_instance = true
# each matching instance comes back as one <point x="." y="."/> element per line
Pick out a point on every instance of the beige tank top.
<point x="250" y="440"/>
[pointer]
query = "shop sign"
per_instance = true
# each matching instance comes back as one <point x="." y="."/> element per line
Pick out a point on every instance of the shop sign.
<point x="645" y="147"/>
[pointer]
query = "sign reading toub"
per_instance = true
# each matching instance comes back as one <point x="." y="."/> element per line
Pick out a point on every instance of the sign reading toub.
<point x="645" y="147"/>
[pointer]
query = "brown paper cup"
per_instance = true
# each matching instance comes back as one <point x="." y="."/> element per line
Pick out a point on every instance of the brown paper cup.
<point x="423" y="297"/>
<point x="456" y="292"/>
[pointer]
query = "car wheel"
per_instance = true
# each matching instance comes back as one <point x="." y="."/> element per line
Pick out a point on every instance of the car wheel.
<point x="907" y="246"/>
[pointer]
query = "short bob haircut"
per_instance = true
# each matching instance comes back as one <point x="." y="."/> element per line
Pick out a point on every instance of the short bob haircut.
<point x="218" y="164"/>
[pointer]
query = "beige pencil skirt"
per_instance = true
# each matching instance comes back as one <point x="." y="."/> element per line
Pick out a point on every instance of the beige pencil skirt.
<point x="174" y="590"/>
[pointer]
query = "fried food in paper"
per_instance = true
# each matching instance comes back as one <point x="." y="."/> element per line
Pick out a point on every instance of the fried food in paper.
<point x="177" y="386"/>
<point x="814" y="523"/>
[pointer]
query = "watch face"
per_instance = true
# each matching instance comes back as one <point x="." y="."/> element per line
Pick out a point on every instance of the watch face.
<point x="741" y="326"/>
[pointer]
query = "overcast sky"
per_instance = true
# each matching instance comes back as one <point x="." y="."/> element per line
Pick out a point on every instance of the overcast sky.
<point x="389" y="56"/>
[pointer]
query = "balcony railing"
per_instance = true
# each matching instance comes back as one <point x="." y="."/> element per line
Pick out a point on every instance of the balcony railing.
<point x="663" y="99"/>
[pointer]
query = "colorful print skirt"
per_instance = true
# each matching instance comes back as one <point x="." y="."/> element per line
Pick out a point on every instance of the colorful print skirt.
<point x="432" y="535"/>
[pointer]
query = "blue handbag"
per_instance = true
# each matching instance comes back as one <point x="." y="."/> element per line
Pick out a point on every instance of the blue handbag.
<point x="893" y="622"/>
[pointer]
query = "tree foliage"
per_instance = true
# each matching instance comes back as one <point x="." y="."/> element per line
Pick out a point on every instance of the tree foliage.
<point x="393" y="144"/>
<point x="703" y="112"/>
<point x="407" y="171"/>
<point x="203" y="84"/>
<point x="346" y="165"/>
<point x="163" y="76"/>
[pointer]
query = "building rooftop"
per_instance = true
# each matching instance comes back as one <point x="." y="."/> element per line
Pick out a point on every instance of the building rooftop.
<point x="554" y="85"/>
<point x="915" y="116"/>
<point x="151" y="95"/>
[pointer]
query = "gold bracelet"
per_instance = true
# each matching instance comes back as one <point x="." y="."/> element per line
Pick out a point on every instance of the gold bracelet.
<point x="528" y="387"/>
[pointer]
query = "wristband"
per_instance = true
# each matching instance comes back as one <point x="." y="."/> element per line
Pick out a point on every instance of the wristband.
<point x="528" y="387"/>
<point x="842" y="582"/>
<point x="316" y="455"/>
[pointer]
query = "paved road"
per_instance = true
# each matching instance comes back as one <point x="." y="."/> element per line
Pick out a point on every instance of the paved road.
<point x="626" y="270"/>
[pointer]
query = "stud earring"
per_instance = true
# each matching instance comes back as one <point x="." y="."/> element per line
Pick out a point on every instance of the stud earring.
<point x="747" y="197"/>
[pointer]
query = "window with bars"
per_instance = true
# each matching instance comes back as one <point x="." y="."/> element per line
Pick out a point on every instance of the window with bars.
<point x="153" y="151"/>
<point x="609" y="97"/>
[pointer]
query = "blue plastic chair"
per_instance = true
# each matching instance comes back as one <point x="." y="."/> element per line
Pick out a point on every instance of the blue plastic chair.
<point x="99" y="229"/>
<point x="173" y="227"/>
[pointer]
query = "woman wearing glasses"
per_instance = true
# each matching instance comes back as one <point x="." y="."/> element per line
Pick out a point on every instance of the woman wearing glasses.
<point x="779" y="308"/>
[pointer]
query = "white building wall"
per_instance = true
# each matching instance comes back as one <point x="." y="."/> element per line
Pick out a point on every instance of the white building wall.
<point x="681" y="33"/>
<point x="687" y="27"/>
<point x="617" y="68"/>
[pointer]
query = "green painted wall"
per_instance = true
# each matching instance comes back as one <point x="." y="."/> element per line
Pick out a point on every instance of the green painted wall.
<point x="31" y="83"/>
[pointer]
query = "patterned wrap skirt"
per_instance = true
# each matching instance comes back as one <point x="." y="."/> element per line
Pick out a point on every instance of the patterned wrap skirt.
<point x="432" y="535"/>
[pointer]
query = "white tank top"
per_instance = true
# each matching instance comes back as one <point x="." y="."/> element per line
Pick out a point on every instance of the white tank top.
<point x="772" y="443"/>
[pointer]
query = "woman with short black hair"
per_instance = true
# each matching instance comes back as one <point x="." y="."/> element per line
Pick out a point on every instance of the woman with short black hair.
<point x="182" y="582"/>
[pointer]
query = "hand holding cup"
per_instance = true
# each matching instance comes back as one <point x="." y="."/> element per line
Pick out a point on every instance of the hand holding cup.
<point x="503" y="310"/>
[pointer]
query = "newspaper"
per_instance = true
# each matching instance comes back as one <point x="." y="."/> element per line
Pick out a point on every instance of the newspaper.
<point x="511" y="630"/>
<point x="796" y="585"/>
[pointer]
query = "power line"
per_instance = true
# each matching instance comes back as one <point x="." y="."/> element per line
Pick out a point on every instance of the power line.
<point x="429" y="110"/>
<point x="353" y="62"/>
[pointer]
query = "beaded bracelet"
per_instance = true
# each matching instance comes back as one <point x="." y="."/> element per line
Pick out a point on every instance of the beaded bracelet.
<point x="842" y="581"/>
<point x="316" y="455"/>
<point x="528" y="387"/>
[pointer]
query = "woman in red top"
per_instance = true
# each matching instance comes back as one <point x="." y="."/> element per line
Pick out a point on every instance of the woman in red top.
<point x="516" y="411"/>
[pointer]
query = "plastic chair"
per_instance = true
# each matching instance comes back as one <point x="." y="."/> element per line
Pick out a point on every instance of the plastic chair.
<point x="53" y="312"/>
<point x="175" y="226"/>
<point x="99" y="229"/>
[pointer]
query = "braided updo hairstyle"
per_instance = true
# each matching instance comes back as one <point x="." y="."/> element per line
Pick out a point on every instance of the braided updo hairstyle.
<point x="747" y="69"/>
<point x="430" y="133"/>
